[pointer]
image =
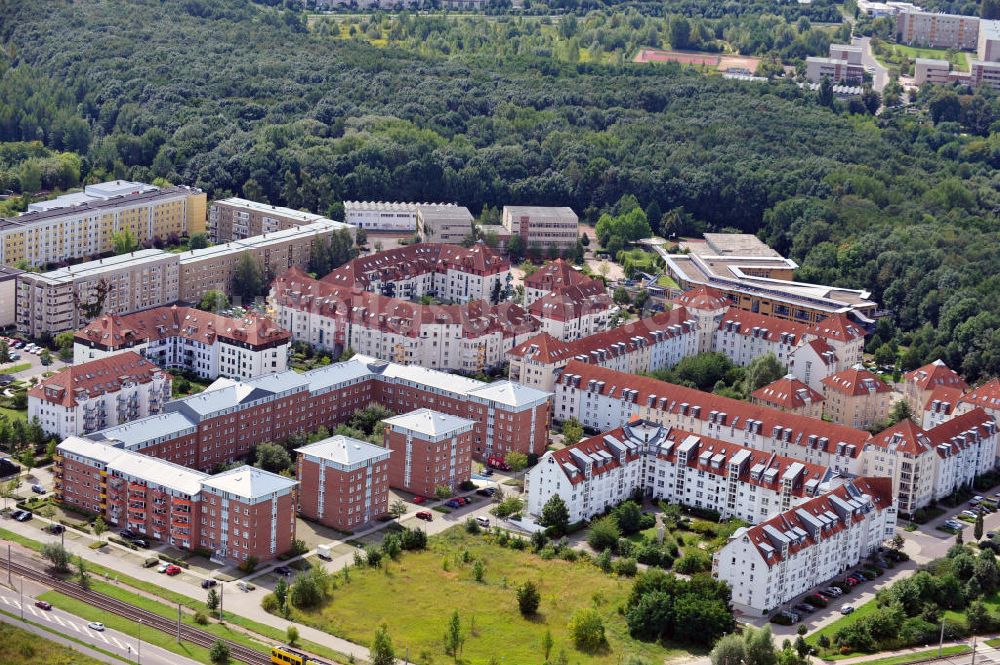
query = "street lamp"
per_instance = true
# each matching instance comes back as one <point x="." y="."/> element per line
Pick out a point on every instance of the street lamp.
<point x="138" y="650"/>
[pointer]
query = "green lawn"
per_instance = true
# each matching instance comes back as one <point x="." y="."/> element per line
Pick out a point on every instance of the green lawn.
<point x="127" y="626"/>
<point x="959" y="61"/>
<point x="20" y="646"/>
<point x="831" y="629"/>
<point x="416" y="595"/>
<point x="918" y="656"/>
<point x="13" y="369"/>
<point x="667" y="282"/>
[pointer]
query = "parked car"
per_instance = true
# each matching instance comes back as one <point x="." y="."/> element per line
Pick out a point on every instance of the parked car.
<point x="37" y="489"/>
<point x="283" y="570"/>
<point x="96" y="625"/>
<point x="483" y="522"/>
<point x="454" y="503"/>
<point x="487" y="472"/>
<point x="45" y="605"/>
<point x="163" y="568"/>
<point x="833" y="591"/>
<point x="139" y="542"/>
<point x="852" y="581"/>
<point x="23" y="515"/>
<point x="486" y="491"/>
<point x="208" y="584"/>
<point x="805" y="608"/>
<point x="990" y="534"/>
<point x="419" y="500"/>
<point x="466" y="500"/>
<point x="246" y="587"/>
<point x="425" y="515"/>
<point x="127" y="534"/>
<point x="846" y="609"/>
<point x="56" y="529"/>
<point x="173" y="570"/>
<point x="861" y="577"/>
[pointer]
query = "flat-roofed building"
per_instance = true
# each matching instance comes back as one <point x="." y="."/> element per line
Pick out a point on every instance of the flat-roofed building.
<point x="938" y="30"/>
<point x="91" y="396"/>
<point x="84" y="224"/>
<point x="835" y="69"/>
<point x="985" y="73"/>
<point x="846" y="52"/>
<point x="400" y="217"/>
<point x="344" y="482"/>
<point x="8" y="295"/>
<point x="213" y="268"/>
<point x="931" y="70"/>
<point x="429" y="450"/>
<point x="208" y="344"/>
<point x="988" y="46"/>
<point x="68" y="298"/>
<point x="443" y="223"/>
<point x="541" y="227"/>
<point x="238" y="219"/>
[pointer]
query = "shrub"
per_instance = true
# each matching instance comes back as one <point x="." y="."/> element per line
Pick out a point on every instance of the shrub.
<point x="472" y="526"/>
<point x="247" y="566"/>
<point x="467" y="486"/>
<point x="586" y="627"/>
<point x="695" y="561"/>
<point x="270" y="603"/>
<point x="626" y="567"/>
<point x="200" y="618"/>
<point x="604" y="533"/>
<point x="528" y="598"/>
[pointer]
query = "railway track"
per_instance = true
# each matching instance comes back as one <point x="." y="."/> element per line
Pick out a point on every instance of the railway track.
<point x="101" y="601"/>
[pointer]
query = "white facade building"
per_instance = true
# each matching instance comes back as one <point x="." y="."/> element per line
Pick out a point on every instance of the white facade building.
<point x="773" y="562"/>
<point x="385" y="216"/>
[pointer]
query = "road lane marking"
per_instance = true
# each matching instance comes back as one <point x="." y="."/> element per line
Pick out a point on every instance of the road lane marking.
<point x="115" y="640"/>
<point x="56" y="617"/>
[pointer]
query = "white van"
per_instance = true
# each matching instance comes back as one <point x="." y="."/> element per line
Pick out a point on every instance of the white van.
<point x="483" y="522"/>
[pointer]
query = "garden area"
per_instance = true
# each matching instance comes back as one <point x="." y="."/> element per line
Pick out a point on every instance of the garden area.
<point x="962" y="590"/>
<point x="493" y="596"/>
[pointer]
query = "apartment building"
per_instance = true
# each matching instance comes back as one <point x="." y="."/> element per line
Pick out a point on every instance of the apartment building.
<point x="674" y="465"/>
<point x="605" y="399"/>
<point x="938" y="30"/>
<point x="771" y="563"/>
<point x="208" y="344"/>
<point x="921" y="382"/>
<point x="429" y="450"/>
<point x="241" y="513"/>
<point x="91" y="396"/>
<point x="836" y="69"/>
<point x="542" y="227"/>
<point x="552" y="277"/>
<point x="237" y="219"/>
<point x="83" y="224"/>
<point x="68" y="298"/>
<point x="8" y="295"/>
<point x="931" y="70"/>
<point x="450" y="273"/>
<point x="443" y="223"/>
<point x="645" y="345"/>
<point x="344" y="482"/>
<point x="386" y="216"/>
<point x="927" y="465"/>
<point x="228" y="419"/>
<point x="574" y="312"/>
<point x="857" y="398"/>
<point x="470" y="337"/>
<point x="984" y="73"/>
<point x="944" y="404"/>
<point x="213" y="268"/>
<point x="790" y="395"/>
<point x="753" y="277"/>
<point x="985" y="397"/>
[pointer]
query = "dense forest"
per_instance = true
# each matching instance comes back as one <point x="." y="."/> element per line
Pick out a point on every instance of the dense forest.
<point x="236" y="98"/>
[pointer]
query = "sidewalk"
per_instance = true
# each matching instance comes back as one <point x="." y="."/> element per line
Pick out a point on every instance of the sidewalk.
<point x="981" y="648"/>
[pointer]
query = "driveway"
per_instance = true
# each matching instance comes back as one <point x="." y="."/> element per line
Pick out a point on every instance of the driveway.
<point x="881" y="76"/>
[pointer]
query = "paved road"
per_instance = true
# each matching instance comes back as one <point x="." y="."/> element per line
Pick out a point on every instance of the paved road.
<point x="881" y="76"/>
<point x="50" y="623"/>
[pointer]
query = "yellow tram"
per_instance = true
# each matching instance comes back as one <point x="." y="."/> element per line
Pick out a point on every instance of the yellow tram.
<point x="286" y="655"/>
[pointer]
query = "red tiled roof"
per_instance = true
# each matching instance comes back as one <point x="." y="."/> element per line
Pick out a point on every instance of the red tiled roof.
<point x="879" y="490"/>
<point x="702" y="297"/>
<point x="855" y="382"/>
<point x="953" y="432"/>
<point x="825" y="352"/>
<point x="675" y="399"/>
<point x="745" y="323"/>
<point x="946" y="396"/>
<point x="986" y="396"/>
<point x="573" y="302"/>
<point x="787" y="393"/>
<point x="296" y="290"/>
<point x="905" y="436"/>
<point x="935" y="374"/>
<point x="97" y="377"/>
<point x="837" y="327"/>
<point x="420" y="259"/>
<point x="555" y="275"/>
<point x="547" y="350"/>
<point x="112" y="330"/>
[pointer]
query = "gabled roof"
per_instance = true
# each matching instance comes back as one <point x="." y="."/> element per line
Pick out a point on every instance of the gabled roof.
<point x="961" y="431"/>
<point x="112" y="331"/>
<point x="986" y="396"/>
<point x="935" y="374"/>
<point x="761" y="325"/>
<point x="825" y="352"/>
<point x="646" y="391"/>
<point x="97" y="377"/>
<point x="838" y="327"/>
<point x="702" y="297"/>
<point x="787" y="393"/>
<point x="943" y="399"/>
<point x="555" y="275"/>
<point x="819" y="518"/>
<point x="404" y="263"/>
<point x="572" y="302"/>
<point x="905" y="436"/>
<point x="855" y="382"/>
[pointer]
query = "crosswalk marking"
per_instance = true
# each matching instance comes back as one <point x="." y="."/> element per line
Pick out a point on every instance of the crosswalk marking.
<point x="56" y="617"/>
<point x="115" y="640"/>
<point x="75" y="627"/>
<point x="101" y="635"/>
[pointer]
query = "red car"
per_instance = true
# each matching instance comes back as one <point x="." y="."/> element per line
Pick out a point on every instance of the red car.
<point x="173" y="570"/>
<point x="425" y="515"/>
<point x="43" y="604"/>
<point x="419" y="500"/>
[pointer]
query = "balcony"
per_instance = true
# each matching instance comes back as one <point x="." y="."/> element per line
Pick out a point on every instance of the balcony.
<point x="136" y="487"/>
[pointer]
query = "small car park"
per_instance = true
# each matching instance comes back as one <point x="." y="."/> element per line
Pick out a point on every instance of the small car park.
<point x="425" y="515"/>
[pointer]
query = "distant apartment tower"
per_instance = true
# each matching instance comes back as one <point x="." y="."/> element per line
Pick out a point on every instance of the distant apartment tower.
<point x="67" y="298"/>
<point x="542" y="227"/>
<point x="84" y="224"/>
<point x="429" y="450"/>
<point x="843" y="65"/>
<point x="443" y="223"/>
<point x="344" y="482"/>
<point x="101" y="393"/>
<point x="931" y="70"/>
<point x="937" y="30"/>
<point x="237" y="219"/>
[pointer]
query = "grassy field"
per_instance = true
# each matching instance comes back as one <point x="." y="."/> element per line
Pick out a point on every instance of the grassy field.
<point x="20" y="646"/>
<point x="918" y="656"/>
<point x="416" y="596"/>
<point x="831" y="629"/>
<point x="959" y="59"/>
<point x="14" y="369"/>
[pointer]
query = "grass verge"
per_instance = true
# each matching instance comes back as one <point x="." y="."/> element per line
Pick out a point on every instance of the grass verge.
<point x="21" y="646"/>
<point x="919" y="656"/>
